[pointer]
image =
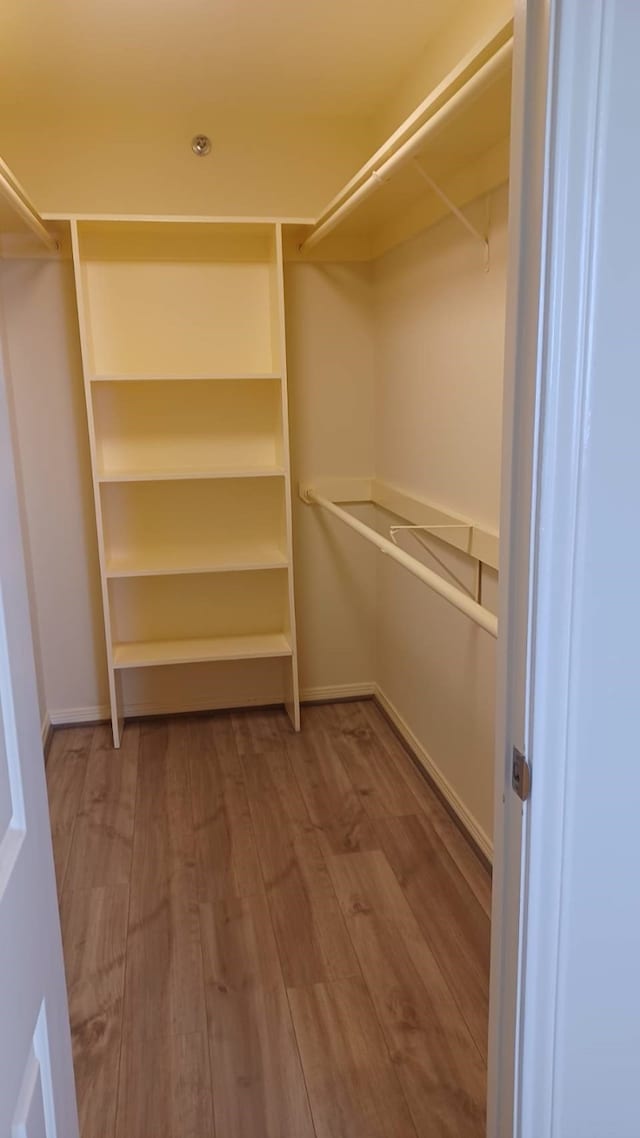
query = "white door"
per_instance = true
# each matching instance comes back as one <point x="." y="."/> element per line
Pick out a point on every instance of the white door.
<point x="565" y="1041"/>
<point x="37" y="1094"/>
<point x="518" y="544"/>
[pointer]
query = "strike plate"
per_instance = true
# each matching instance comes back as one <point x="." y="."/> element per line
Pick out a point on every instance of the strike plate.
<point x="520" y="775"/>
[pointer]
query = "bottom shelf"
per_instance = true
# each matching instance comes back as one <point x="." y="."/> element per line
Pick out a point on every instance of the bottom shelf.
<point x="144" y="654"/>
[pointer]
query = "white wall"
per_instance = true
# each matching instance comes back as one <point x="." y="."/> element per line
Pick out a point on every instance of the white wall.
<point x="439" y="325"/>
<point x="396" y="370"/>
<point x="53" y="460"/>
<point x="439" y="351"/>
<point x="330" y="359"/>
<point x="6" y="377"/>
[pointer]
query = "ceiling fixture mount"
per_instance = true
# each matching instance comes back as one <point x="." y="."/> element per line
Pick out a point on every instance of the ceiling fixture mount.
<point x="201" y="145"/>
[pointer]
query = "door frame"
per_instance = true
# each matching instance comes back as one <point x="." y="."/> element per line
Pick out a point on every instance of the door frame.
<point x="520" y="432"/>
<point x="559" y="100"/>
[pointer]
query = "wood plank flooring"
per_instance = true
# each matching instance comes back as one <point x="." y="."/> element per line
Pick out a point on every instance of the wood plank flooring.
<point x="268" y="935"/>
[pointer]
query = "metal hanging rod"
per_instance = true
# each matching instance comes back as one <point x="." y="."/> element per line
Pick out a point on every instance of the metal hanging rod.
<point x="408" y="149"/>
<point x="477" y="613"/>
<point x="12" y="192"/>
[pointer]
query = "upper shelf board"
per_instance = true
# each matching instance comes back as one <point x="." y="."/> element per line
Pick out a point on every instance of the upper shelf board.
<point x="176" y="377"/>
<point x="145" y="654"/>
<point x="166" y="241"/>
<point x="180" y="300"/>
<point x="185" y="474"/>
<point x="460" y="137"/>
<point x="175" y="219"/>
<point x="19" y="219"/>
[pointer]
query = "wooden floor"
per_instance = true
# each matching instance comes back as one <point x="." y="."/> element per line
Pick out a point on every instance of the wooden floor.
<point x="268" y="935"/>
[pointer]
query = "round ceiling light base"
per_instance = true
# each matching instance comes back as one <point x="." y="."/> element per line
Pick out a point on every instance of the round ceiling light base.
<point x="201" y="145"/>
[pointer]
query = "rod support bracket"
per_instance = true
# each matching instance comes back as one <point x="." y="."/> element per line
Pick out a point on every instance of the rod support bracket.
<point x="455" y="210"/>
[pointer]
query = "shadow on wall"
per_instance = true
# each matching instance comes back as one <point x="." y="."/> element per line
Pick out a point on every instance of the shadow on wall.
<point x="47" y="384"/>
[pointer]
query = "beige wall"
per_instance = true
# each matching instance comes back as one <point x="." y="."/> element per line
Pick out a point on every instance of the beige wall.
<point x="439" y="321"/>
<point x="53" y="457"/>
<point x="467" y="23"/>
<point x="439" y="353"/>
<point x="330" y="358"/>
<point x="15" y="444"/>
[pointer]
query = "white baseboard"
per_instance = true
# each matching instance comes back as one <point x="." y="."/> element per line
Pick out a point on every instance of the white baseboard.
<point x="470" y="824"/>
<point x="101" y="712"/>
<point x="337" y="692"/>
<point x="71" y="715"/>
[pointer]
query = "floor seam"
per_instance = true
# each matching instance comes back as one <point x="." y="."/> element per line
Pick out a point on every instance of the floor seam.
<point x="126" y="948"/>
<point x="63" y="883"/>
<point x="367" y="989"/>
<point x="242" y="759"/>
<point x="201" y="942"/>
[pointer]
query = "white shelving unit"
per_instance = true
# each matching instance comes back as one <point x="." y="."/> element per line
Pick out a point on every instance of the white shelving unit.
<point x="182" y="332"/>
<point x="451" y="149"/>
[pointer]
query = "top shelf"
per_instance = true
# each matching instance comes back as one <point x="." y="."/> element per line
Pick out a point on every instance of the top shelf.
<point x="179" y="377"/>
<point x="178" y="301"/>
<point x="18" y="216"/>
<point x="153" y="239"/>
<point x="458" y="136"/>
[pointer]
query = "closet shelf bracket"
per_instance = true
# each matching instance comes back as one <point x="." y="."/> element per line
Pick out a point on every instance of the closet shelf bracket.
<point x="12" y="192"/>
<point x="430" y="531"/>
<point x="454" y="596"/>
<point x="456" y="211"/>
<point x="393" y="530"/>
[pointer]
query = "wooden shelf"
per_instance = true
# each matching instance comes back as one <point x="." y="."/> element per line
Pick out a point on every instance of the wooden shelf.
<point x="182" y="299"/>
<point x="459" y="135"/>
<point x="138" y="377"/>
<point x="219" y="525"/>
<point x="181" y="560"/>
<point x="174" y="607"/>
<point x="195" y="473"/>
<point x="185" y="429"/>
<point x="152" y="653"/>
<point x="19" y="219"/>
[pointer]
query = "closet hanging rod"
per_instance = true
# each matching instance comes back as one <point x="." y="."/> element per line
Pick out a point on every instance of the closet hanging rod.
<point x="477" y="613"/>
<point x="408" y="149"/>
<point x="13" y="193"/>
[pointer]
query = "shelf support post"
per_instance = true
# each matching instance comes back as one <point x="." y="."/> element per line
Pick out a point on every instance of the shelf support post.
<point x="454" y="209"/>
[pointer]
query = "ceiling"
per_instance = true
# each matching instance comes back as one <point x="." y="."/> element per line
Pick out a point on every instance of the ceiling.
<point x="334" y="57"/>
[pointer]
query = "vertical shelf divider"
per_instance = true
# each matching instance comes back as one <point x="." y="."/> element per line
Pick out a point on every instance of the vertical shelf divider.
<point x="292" y="701"/>
<point x="115" y="682"/>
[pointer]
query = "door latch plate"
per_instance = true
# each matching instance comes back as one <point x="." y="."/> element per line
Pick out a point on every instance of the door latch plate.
<point x="520" y="775"/>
